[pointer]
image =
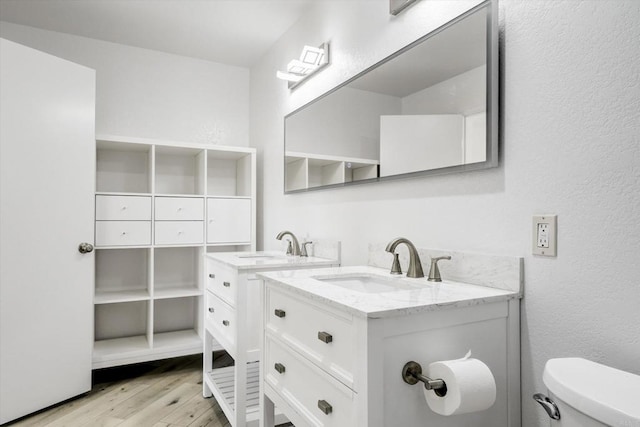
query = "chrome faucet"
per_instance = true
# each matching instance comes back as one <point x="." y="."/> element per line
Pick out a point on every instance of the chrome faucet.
<point x="415" y="267"/>
<point x="296" y="245"/>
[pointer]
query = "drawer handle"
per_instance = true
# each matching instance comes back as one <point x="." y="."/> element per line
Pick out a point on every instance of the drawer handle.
<point x="325" y="406"/>
<point x="280" y="313"/>
<point x="325" y="337"/>
<point x="211" y="309"/>
<point x="280" y="368"/>
<point x="124" y="208"/>
<point x="212" y="276"/>
<point x="225" y="322"/>
<point x="124" y="233"/>
<point x="226" y="284"/>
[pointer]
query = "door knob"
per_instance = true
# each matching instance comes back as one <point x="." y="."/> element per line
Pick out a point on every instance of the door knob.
<point x="85" y="248"/>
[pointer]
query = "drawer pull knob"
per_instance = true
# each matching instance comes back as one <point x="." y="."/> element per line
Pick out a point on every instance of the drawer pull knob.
<point x="211" y="309"/>
<point x="124" y="208"/>
<point x="124" y="233"/>
<point x="212" y="276"/>
<point x="280" y="368"/>
<point x="280" y="313"/>
<point x="325" y="337"/>
<point x="225" y="322"/>
<point x="325" y="406"/>
<point x="226" y="284"/>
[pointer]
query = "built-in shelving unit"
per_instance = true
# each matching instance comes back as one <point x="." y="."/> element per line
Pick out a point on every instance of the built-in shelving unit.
<point x="159" y="207"/>
<point x="306" y="170"/>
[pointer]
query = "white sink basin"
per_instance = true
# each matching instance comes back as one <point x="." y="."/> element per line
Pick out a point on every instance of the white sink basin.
<point x="369" y="284"/>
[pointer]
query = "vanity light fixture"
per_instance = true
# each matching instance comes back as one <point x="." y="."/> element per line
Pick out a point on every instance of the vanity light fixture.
<point x="312" y="59"/>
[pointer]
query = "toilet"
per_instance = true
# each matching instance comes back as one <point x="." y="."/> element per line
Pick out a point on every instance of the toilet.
<point x="582" y="393"/>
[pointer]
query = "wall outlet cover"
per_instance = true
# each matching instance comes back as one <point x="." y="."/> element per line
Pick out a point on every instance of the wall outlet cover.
<point x="544" y="235"/>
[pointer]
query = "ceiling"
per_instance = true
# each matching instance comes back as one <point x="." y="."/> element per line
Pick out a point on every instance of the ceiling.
<point x="235" y="32"/>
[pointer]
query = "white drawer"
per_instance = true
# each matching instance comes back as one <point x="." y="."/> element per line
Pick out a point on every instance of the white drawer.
<point x="307" y="388"/>
<point x="123" y="233"/>
<point x="179" y="232"/>
<point x="222" y="318"/>
<point x="326" y="338"/>
<point x="222" y="281"/>
<point x="179" y="209"/>
<point x="123" y="208"/>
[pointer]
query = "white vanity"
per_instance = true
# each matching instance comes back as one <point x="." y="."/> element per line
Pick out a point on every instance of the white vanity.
<point x="232" y="321"/>
<point x="335" y="340"/>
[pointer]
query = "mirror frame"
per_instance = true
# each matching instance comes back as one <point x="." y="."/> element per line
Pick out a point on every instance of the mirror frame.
<point x="492" y="103"/>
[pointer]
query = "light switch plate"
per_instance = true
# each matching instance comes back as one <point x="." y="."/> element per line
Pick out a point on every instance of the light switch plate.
<point x="544" y="235"/>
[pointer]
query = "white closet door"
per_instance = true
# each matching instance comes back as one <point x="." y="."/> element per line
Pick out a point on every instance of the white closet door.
<point x="47" y="179"/>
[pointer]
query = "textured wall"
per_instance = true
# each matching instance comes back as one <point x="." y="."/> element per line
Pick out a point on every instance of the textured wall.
<point x="150" y="94"/>
<point x="570" y="144"/>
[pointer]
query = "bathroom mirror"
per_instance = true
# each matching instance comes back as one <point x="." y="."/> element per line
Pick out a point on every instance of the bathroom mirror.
<point x="430" y="108"/>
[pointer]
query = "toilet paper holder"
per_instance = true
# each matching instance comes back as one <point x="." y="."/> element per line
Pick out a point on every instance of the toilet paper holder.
<point x="412" y="373"/>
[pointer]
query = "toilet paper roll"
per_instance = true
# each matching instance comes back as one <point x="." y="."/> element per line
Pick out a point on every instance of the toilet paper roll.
<point x="470" y="386"/>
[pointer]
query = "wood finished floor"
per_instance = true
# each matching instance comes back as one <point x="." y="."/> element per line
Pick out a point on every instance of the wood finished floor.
<point x="164" y="393"/>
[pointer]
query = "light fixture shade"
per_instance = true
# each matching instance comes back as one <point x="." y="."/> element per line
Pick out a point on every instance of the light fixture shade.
<point x="289" y="77"/>
<point x="312" y="59"/>
<point x="312" y="55"/>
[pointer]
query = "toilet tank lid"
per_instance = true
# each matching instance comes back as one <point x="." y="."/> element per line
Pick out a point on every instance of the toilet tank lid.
<point x="606" y="394"/>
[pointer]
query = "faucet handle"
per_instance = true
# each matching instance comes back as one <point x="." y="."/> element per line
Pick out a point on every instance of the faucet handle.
<point x="395" y="267"/>
<point x="434" y="271"/>
<point x="289" y="247"/>
<point x="303" y="249"/>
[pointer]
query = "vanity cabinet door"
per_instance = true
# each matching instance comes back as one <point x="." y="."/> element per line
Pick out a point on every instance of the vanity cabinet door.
<point x="228" y="220"/>
<point x="311" y="392"/>
<point x="325" y="337"/>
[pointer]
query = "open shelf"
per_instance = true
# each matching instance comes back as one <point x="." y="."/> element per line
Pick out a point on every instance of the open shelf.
<point x="221" y="383"/>
<point x="123" y="167"/>
<point x="307" y="170"/>
<point x="176" y="314"/>
<point x="176" y="271"/>
<point x="187" y="339"/>
<point x="121" y="320"/>
<point x="179" y="170"/>
<point x="228" y="173"/>
<point x="122" y="275"/>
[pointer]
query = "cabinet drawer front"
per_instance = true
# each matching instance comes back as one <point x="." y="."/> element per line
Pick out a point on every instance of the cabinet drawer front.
<point x="123" y="233"/>
<point x="222" y="281"/>
<point x="313" y="393"/>
<point x="179" y="232"/>
<point x="326" y="338"/>
<point x="179" y="209"/>
<point x="123" y="208"/>
<point x="228" y="220"/>
<point x="222" y="318"/>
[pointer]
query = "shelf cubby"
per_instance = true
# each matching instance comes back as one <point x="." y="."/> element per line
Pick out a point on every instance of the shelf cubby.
<point x="123" y="167"/>
<point x="176" y="272"/>
<point x="176" y="315"/>
<point x="121" y="320"/>
<point x="307" y="170"/>
<point x="179" y="170"/>
<point x="122" y="275"/>
<point x="229" y="173"/>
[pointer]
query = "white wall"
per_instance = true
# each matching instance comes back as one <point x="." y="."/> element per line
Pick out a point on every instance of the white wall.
<point x="144" y="93"/>
<point x="570" y="144"/>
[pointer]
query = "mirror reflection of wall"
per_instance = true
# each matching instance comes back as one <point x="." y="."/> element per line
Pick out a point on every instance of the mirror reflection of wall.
<point x="425" y="108"/>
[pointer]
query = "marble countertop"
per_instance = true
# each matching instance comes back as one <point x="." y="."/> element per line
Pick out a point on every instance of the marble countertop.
<point x="267" y="259"/>
<point x="412" y="295"/>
